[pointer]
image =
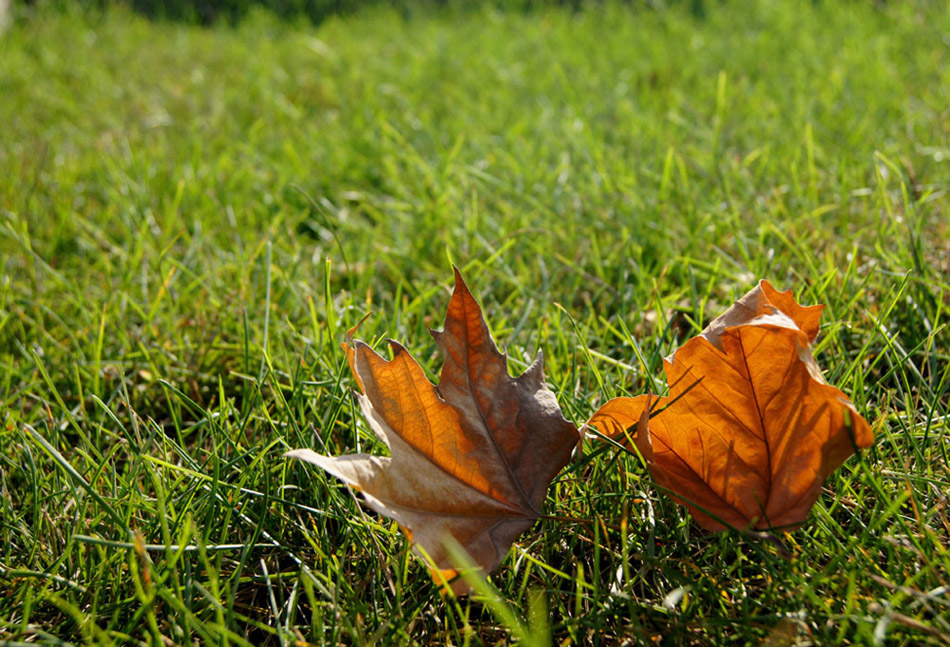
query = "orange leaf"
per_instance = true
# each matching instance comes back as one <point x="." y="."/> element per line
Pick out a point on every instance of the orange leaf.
<point x="471" y="459"/>
<point x="750" y="430"/>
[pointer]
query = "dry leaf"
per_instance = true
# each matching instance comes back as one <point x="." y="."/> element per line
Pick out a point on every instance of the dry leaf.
<point x="750" y="430"/>
<point x="471" y="458"/>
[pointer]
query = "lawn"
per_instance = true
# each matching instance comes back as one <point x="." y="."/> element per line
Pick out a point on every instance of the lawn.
<point x="191" y="218"/>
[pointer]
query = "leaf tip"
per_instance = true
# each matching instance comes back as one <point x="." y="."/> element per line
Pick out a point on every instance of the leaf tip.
<point x="305" y="455"/>
<point x="396" y="348"/>
<point x="351" y="333"/>
<point x="460" y="285"/>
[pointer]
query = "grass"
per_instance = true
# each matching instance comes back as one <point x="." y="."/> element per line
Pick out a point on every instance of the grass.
<point x="190" y="219"/>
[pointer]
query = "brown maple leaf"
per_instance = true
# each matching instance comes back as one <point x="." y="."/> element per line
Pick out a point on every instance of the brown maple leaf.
<point x="750" y="430"/>
<point x="471" y="458"/>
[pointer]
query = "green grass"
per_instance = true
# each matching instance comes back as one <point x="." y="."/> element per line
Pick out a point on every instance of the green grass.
<point x="190" y="219"/>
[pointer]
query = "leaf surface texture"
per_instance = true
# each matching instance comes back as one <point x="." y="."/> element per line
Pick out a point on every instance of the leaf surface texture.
<point x="471" y="458"/>
<point x="750" y="430"/>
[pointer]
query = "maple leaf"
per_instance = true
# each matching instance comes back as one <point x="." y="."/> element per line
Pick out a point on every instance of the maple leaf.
<point x="750" y="429"/>
<point x="471" y="458"/>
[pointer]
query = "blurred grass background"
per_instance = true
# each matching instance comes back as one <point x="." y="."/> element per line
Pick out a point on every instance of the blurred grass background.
<point x="190" y="217"/>
<point x="209" y="12"/>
